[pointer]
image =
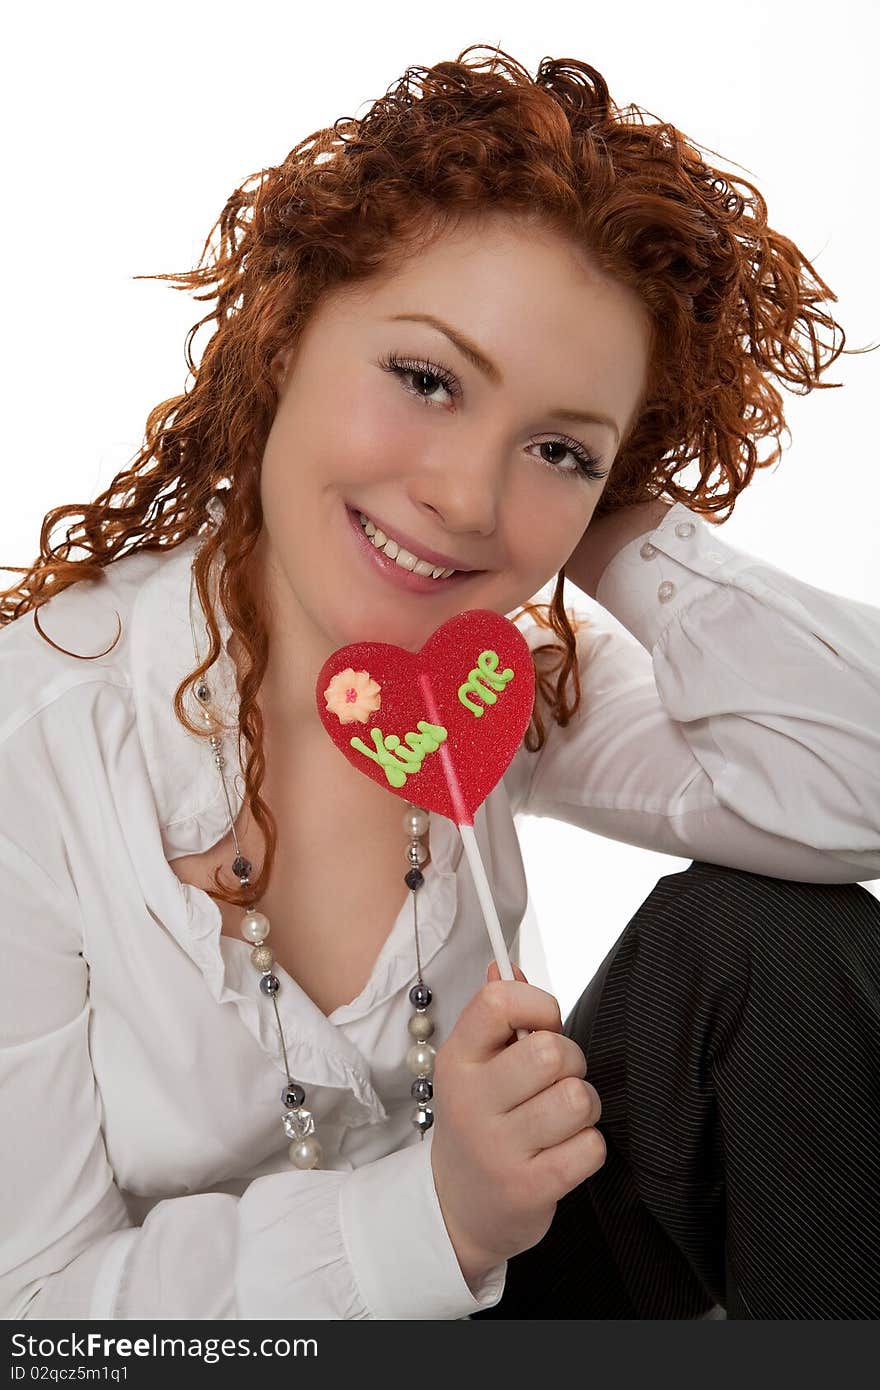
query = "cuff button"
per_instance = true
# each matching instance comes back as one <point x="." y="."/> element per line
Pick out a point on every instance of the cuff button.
<point x="685" y="529"/>
<point x="666" y="591"/>
<point x="648" y="551"/>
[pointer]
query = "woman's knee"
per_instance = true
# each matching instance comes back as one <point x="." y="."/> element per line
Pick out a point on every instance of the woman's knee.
<point x="710" y="936"/>
<point x="711" y="912"/>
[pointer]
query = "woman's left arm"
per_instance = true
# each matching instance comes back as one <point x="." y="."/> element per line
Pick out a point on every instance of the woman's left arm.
<point x="606" y="536"/>
<point x="742" y="728"/>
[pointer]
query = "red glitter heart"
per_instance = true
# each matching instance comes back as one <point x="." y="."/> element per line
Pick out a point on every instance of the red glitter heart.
<point x="439" y="726"/>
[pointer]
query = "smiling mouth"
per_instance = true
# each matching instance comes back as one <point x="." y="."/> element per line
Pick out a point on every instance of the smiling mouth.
<point x="401" y="566"/>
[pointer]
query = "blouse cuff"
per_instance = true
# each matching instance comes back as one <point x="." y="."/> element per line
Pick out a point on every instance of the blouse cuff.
<point x="403" y="1260"/>
<point x="655" y="577"/>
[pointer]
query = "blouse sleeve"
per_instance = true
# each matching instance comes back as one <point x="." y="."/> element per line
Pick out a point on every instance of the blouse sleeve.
<point x="739" y="724"/>
<point x="337" y="1245"/>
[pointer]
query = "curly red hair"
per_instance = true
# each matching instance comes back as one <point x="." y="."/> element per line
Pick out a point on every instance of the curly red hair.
<point x="732" y="304"/>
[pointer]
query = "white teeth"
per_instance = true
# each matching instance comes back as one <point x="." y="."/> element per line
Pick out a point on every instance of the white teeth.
<point x="406" y="558"/>
<point x="402" y="557"/>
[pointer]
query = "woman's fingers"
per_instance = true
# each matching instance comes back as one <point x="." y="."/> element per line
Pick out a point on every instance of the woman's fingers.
<point x="490" y="1019"/>
<point x="512" y="1131"/>
<point x="555" y="1115"/>
<point x="556" y="1171"/>
<point x="493" y="973"/>
<point x="529" y="1066"/>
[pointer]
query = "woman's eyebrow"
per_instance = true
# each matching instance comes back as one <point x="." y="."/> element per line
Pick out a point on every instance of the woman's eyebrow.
<point x="484" y="364"/>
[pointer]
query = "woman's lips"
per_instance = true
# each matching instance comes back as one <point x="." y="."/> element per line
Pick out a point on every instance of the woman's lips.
<point x="404" y="579"/>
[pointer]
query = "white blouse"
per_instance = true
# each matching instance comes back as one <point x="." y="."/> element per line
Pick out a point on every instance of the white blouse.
<point x="144" y="1168"/>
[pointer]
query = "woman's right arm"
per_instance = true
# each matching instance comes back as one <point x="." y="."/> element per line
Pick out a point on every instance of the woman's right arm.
<point x="375" y="1242"/>
<point x="294" y="1244"/>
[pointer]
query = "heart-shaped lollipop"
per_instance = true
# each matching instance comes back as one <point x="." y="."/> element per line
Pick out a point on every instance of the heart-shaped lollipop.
<point x="438" y="727"/>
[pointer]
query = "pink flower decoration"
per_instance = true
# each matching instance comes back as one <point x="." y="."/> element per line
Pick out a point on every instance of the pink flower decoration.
<point x="353" y="695"/>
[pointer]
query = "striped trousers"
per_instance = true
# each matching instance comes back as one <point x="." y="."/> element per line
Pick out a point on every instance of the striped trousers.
<point x="733" y="1035"/>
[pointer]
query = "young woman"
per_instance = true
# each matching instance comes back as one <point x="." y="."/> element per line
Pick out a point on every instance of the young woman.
<point x="252" y="1060"/>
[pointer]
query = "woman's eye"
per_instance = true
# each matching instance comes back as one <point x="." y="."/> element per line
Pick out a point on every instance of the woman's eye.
<point x="418" y="371"/>
<point x="424" y="373"/>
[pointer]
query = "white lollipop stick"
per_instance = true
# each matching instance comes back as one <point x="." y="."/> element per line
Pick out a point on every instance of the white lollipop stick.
<point x="490" y="916"/>
<point x="469" y="840"/>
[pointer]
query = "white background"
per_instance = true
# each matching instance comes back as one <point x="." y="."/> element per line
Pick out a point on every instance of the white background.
<point x="127" y="127"/>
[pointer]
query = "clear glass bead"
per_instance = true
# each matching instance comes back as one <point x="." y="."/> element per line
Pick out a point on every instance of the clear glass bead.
<point x="298" y="1124"/>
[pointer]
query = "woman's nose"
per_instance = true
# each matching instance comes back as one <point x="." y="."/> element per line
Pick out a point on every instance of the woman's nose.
<point x="464" y="497"/>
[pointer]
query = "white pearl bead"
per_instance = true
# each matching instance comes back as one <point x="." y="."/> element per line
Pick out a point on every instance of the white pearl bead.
<point x="421" y="1026"/>
<point x="420" y="1059"/>
<point x="305" y="1153"/>
<point x="415" y="823"/>
<point x="254" y="927"/>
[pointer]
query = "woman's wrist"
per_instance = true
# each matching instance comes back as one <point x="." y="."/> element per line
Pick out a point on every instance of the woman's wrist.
<point x="474" y="1264"/>
<point x="606" y="536"/>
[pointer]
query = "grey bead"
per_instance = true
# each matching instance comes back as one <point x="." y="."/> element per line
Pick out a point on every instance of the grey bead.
<point x="269" y="984"/>
<point x="421" y="1026"/>
<point x="421" y="1089"/>
<point x="262" y="959"/>
<point x="423" y="1119"/>
<point x="420" y="996"/>
<point x="293" y="1095"/>
<point x="241" y="867"/>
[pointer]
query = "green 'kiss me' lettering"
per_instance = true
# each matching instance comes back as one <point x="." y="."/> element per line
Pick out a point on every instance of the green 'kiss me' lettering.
<point x="486" y="670"/>
<point x="408" y="759"/>
<point x="401" y="760"/>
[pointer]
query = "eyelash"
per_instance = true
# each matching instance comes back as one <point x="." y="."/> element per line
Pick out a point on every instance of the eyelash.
<point x="588" y="465"/>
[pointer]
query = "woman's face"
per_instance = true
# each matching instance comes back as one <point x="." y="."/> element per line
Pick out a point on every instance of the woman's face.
<point x="478" y="463"/>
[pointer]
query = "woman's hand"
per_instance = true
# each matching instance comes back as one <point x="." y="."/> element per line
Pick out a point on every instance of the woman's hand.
<point x="514" y="1123"/>
<point x="604" y="536"/>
